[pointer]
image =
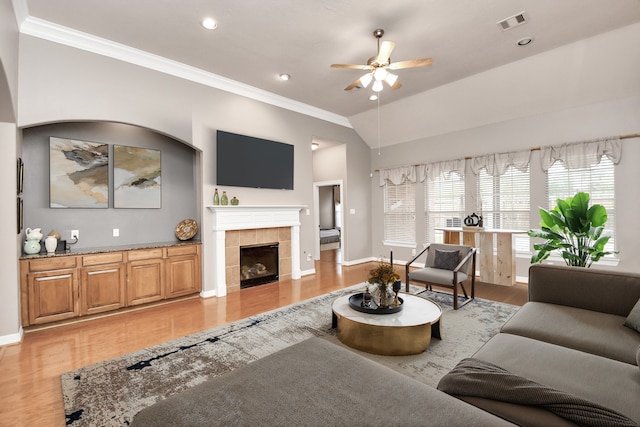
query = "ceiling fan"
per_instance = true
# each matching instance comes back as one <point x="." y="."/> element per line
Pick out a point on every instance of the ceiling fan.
<point x="378" y="66"/>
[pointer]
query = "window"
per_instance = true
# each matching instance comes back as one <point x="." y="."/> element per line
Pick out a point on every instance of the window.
<point x="400" y="214"/>
<point x="444" y="204"/>
<point x="597" y="180"/>
<point x="505" y="203"/>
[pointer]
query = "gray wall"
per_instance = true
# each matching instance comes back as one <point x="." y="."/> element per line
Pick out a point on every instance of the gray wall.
<point x="178" y="176"/>
<point x="326" y="207"/>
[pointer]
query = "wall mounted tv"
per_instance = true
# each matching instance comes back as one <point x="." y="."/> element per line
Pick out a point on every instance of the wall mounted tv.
<point x="245" y="161"/>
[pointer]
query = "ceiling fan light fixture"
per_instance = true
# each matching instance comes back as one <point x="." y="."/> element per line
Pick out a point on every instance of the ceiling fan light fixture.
<point x="380" y="74"/>
<point x="391" y="79"/>
<point x="366" y="79"/>
<point x="377" y="86"/>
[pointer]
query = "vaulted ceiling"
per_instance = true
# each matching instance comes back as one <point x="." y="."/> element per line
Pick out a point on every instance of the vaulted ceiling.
<point x="257" y="40"/>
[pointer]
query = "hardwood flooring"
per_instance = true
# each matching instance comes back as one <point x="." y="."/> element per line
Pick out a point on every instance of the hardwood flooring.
<point x="30" y="389"/>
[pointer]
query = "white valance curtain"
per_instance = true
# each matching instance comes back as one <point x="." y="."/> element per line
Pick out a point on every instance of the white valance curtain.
<point x="399" y="175"/>
<point x="421" y="172"/>
<point x="445" y="169"/>
<point x="581" y="154"/>
<point x="497" y="164"/>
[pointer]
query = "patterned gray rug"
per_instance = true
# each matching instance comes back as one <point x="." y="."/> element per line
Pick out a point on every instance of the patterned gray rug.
<point x="112" y="392"/>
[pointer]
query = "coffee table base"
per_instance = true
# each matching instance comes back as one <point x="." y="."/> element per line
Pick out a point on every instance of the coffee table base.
<point x="397" y="341"/>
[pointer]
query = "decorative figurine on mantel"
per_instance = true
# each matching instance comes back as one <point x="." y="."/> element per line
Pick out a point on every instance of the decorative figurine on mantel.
<point x="224" y="200"/>
<point x="216" y="198"/>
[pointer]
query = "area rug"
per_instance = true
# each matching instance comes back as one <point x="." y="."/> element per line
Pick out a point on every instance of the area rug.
<point x="112" y="392"/>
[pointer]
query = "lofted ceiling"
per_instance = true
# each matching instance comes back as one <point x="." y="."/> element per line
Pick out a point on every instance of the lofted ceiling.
<point x="256" y="40"/>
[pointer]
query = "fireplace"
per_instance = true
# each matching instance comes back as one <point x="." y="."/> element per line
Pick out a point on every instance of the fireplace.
<point x="244" y="225"/>
<point x="258" y="265"/>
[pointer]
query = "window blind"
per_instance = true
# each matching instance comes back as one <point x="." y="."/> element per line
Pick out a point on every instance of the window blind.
<point x="444" y="204"/>
<point x="598" y="180"/>
<point x="505" y="203"/>
<point x="400" y="214"/>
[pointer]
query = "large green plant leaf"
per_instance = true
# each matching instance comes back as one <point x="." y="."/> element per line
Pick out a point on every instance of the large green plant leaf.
<point x="597" y="215"/>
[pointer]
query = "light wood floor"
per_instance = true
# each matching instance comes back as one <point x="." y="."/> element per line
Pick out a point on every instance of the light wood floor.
<point x="30" y="389"/>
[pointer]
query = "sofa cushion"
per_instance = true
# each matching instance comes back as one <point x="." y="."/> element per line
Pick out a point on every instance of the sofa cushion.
<point x="585" y="330"/>
<point x="608" y="382"/>
<point x="309" y="384"/>
<point x="633" y="319"/>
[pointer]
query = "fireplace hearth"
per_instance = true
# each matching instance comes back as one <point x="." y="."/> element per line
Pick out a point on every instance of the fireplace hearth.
<point x="258" y="265"/>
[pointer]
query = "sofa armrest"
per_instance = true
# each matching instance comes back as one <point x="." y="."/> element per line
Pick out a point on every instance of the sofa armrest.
<point x="605" y="291"/>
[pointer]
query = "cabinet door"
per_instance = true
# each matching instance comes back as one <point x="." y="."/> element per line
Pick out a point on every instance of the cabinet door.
<point x="102" y="288"/>
<point x="145" y="281"/>
<point x="183" y="275"/>
<point x="53" y="295"/>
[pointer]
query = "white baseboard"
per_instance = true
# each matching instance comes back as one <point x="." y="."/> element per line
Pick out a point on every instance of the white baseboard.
<point x="12" y="338"/>
<point x="308" y="272"/>
<point x="358" y="261"/>
<point x="208" y="294"/>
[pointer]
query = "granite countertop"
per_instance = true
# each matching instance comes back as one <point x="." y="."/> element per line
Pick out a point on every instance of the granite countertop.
<point x="102" y="249"/>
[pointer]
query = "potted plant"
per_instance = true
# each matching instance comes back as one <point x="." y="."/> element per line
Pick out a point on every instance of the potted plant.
<point x="573" y="229"/>
<point x="381" y="280"/>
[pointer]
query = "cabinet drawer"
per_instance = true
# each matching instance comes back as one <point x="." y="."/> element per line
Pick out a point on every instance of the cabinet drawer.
<point x="98" y="259"/>
<point x="53" y="263"/>
<point x="182" y="250"/>
<point x="145" y="254"/>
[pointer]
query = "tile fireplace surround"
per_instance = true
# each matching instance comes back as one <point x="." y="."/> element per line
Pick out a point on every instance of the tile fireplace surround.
<point x="235" y="226"/>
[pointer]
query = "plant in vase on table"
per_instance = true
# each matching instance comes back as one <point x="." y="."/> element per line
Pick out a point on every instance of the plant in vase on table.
<point x="381" y="280"/>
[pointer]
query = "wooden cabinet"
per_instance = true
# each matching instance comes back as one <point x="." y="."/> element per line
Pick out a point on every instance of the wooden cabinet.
<point x="102" y="283"/>
<point x="183" y="271"/>
<point x="53" y="295"/>
<point x="64" y="287"/>
<point x="145" y="276"/>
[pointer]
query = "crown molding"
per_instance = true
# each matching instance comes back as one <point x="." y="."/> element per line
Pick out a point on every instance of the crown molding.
<point x="63" y="35"/>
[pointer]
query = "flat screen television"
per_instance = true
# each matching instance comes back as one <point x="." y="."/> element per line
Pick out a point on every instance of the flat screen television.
<point x="245" y="161"/>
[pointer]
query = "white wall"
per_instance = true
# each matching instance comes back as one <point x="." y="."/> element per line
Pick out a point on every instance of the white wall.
<point x="59" y="83"/>
<point x="616" y="117"/>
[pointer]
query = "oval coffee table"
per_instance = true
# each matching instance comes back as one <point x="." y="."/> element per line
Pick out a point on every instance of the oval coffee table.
<point x="408" y="331"/>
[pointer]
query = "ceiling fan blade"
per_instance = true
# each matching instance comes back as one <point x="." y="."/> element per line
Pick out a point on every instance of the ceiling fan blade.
<point x="352" y="66"/>
<point x="385" y="52"/>
<point x="353" y="85"/>
<point x="396" y="85"/>
<point x="412" y="63"/>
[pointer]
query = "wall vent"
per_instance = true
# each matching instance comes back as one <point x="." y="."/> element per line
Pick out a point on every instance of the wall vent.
<point x="513" y="21"/>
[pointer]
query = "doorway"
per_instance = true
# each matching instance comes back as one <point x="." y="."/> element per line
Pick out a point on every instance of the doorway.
<point x="329" y="219"/>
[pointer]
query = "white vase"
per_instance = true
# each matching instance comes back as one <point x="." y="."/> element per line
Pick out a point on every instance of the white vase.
<point x="50" y="244"/>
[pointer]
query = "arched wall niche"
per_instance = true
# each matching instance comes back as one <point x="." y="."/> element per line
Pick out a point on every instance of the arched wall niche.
<point x="179" y="185"/>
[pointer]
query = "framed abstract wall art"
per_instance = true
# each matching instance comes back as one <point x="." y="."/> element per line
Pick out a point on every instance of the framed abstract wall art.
<point x="78" y="174"/>
<point x="137" y="178"/>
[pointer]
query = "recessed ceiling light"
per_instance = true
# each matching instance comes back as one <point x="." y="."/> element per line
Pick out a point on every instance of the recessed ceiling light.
<point x="209" y="23"/>
<point x="525" y="41"/>
<point x="373" y="97"/>
<point x="284" y="77"/>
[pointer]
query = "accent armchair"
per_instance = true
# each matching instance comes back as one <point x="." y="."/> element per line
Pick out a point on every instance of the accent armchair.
<point x="448" y="266"/>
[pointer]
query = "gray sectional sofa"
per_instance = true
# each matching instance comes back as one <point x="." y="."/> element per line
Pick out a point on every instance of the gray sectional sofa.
<point x="570" y="337"/>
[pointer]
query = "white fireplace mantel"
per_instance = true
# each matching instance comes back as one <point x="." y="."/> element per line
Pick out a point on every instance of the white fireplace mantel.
<point x="249" y="217"/>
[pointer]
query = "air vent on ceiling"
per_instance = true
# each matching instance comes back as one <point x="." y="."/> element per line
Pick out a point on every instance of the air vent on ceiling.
<point x="513" y="21"/>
